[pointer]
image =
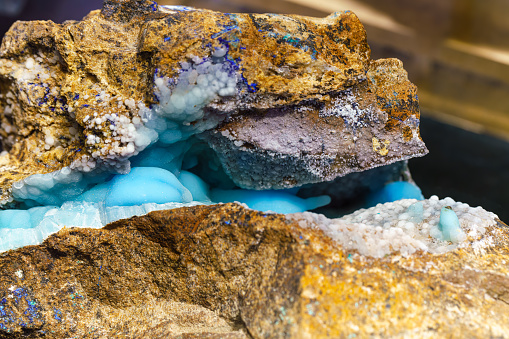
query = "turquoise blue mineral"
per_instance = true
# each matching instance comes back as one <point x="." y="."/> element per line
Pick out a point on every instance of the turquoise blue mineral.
<point x="142" y="185"/>
<point x="394" y="191"/>
<point x="449" y="225"/>
<point x="416" y="212"/>
<point x="198" y="188"/>
<point x="280" y="201"/>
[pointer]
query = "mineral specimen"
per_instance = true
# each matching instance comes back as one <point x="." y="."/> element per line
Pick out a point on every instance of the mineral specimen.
<point x="348" y="127"/>
<point x="282" y="101"/>
<point x="276" y="93"/>
<point x="191" y="272"/>
<point x="408" y="226"/>
<point x="449" y="228"/>
<point x="140" y="108"/>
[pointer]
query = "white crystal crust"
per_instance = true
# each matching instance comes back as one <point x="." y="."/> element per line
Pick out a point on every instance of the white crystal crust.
<point x="386" y="228"/>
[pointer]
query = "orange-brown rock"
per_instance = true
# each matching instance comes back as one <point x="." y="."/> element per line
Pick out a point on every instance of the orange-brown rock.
<point x="301" y="93"/>
<point x="226" y="272"/>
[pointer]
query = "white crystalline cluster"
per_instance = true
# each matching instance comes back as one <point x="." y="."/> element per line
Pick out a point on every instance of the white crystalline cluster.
<point x="347" y="108"/>
<point x="123" y="127"/>
<point x="36" y="68"/>
<point x="178" y="115"/>
<point x="118" y="134"/>
<point x="397" y="227"/>
<point x="6" y="126"/>
<point x="200" y="82"/>
<point x="128" y="137"/>
<point x="33" y="74"/>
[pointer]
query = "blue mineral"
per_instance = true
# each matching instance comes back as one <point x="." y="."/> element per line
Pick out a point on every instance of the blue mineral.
<point x="416" y="212"/>
<point x="270" y="200"/>
<point x="232" y="118"/>
<point x="394" y="191"/>
<point x="449" y="225"/>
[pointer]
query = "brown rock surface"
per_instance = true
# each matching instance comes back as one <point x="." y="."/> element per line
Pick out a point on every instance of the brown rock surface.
<point x="372" y="123"/>
<point x="224" y="271"/>
<point x="307" y="83"/>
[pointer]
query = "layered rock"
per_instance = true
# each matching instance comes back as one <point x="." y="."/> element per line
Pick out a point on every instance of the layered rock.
<point x="226" y="272"/>
<point x="371" y="123"/>
<point x="287" y="100"/>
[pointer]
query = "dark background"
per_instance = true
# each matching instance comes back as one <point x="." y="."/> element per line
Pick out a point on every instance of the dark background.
<point x="55" y="10"/>
<point x="463" y="165"/>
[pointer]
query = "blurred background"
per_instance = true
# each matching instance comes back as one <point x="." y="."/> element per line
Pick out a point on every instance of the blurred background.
<point x="455" y="51"/>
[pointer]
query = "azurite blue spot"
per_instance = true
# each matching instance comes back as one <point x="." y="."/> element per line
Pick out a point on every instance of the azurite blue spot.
<point x="252" y="87"/>
<point x="226" y="29"/>
<point x="57" y="314"/>
<point x="28" y="306"/>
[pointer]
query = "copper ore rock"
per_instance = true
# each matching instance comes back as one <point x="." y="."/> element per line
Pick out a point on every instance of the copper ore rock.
<point x="307" y="103"/>
<point x="223" y="271"/>
<point x="372" y="121"/>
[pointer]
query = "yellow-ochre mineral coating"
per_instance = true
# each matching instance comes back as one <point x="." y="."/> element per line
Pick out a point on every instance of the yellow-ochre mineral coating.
<point x="381" y="147"/>
<point x="462" y="293"/>
<point x="437" y="296"/>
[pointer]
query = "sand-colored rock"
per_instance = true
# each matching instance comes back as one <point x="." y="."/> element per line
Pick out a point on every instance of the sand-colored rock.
<point x="224" y="271"/>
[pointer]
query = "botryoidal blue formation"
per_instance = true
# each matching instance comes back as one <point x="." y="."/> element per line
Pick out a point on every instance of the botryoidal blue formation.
<point x="140" y="105"/>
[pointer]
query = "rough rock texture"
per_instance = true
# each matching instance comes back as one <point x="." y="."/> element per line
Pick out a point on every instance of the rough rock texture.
<point x="226" y="272"/>
<point x="306" y="85"/>
<point x="371" y="122"/>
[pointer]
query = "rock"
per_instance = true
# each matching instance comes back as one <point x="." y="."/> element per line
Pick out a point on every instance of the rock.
<point x="224" y="271"/>
<point x="371" y="123"/>
<point x="92" y="94"/>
